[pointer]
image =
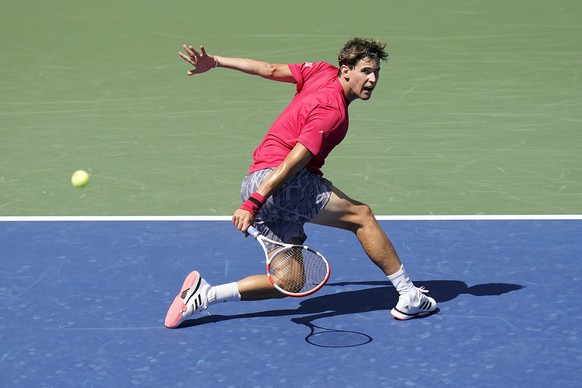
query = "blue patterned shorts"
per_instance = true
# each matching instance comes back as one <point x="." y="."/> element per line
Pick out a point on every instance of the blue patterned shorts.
<point x="296" y="202"/>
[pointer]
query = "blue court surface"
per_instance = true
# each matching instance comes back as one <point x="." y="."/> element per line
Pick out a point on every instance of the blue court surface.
<point x="83" y="304"/>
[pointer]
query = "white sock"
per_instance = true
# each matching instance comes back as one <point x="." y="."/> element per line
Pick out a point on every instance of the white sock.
<point x="402" y="282"/>
<point x="223" y="293"/>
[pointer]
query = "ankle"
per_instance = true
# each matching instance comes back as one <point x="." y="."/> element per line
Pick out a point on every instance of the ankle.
<point x="402" y="282"/>
<point x="224" y="293"/>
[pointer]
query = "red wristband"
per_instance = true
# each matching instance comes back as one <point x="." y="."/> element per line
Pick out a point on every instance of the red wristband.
<point x="254" y="203"/>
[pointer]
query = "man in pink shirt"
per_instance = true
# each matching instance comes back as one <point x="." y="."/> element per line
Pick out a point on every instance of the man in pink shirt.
<point x="285" y="187"/>
<point x="317" y="117"/>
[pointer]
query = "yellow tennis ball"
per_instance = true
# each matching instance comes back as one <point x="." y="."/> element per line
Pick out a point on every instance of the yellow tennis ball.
<point x="80" y="178"/>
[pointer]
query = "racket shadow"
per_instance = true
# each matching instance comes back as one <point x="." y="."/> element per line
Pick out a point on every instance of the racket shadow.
<point x="325" y="337"/>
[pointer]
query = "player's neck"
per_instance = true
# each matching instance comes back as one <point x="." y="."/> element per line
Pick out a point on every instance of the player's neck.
<point x="349" y="95"/>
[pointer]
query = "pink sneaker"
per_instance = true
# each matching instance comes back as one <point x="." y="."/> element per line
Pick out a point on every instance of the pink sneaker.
<point x="191" y="299"/>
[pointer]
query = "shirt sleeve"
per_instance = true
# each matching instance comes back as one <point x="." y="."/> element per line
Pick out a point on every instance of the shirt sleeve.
<point x="302" y="71"/>
<point x="296" y="71"/>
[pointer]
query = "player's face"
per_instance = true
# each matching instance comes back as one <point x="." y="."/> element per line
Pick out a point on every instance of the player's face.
<point x="362" y="79"/>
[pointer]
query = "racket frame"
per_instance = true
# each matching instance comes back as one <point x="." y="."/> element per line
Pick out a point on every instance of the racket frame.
<point x="268" y="259"/>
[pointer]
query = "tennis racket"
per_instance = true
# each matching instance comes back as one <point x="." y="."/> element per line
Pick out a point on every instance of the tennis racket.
<point x="294" y="270"/>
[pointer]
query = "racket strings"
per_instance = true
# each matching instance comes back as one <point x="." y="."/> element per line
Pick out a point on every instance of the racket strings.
<point x="298" y="270"/>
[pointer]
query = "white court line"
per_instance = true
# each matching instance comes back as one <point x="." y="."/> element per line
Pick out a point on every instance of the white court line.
<point x="477" y="217"/>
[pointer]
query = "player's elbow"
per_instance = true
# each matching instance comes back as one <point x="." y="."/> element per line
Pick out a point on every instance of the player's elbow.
<point x="277" y="72"/>
<point x="269" y="70"/>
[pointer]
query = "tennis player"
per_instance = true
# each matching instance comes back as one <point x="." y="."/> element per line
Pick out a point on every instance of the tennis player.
<point x="285" y="187"/>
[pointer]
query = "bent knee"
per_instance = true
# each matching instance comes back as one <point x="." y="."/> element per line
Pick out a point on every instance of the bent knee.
<point x="360" y="216"/>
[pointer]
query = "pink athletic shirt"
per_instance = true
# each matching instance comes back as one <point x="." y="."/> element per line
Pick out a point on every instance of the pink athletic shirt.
<point x="317" y="117"/>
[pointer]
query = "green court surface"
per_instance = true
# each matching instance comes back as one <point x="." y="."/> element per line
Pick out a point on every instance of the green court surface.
<point x="478" y="111"/>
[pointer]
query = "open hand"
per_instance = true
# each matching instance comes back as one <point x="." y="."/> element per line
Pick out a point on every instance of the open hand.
<point x="201" y="61"/>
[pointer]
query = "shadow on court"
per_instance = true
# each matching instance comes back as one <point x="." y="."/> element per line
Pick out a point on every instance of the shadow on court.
<point x="381" y="298"/>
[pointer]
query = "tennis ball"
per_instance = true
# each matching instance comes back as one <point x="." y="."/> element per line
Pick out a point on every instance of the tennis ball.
<point x="80" y="178"/>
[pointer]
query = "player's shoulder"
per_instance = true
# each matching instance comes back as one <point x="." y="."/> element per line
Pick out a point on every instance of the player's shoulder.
<point x="317" y="66"/>
<point x="308" y="69"/>
<point x="313" y="74"/>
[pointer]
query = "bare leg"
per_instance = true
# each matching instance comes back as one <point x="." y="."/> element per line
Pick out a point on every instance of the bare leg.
<point x="345" y="213"/>
<point x="257" y="287"/>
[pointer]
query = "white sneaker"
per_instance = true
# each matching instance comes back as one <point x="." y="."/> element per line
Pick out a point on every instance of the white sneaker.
<point x="191" y="299"/>
<point x="414" y="305"/>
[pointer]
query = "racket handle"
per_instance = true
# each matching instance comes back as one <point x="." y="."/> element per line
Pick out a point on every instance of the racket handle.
<point x="252" y="231"/>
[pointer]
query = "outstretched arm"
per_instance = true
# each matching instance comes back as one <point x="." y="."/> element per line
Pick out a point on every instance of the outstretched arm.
<point x="203" y="62"/>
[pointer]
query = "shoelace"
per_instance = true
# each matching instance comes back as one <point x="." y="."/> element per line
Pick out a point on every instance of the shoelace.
<point x="422" y="289"/>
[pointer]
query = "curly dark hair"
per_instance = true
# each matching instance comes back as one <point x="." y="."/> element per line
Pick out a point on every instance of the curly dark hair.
<point x="357" y="49"/>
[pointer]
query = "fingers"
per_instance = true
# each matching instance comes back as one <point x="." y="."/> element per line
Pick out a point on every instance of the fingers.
<point x="191" y="51"/>
<point x="242" y="219"/>
<point x="191" y="55"/>
<point x="201" y="61"/>
<point x="187" y="58"/>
